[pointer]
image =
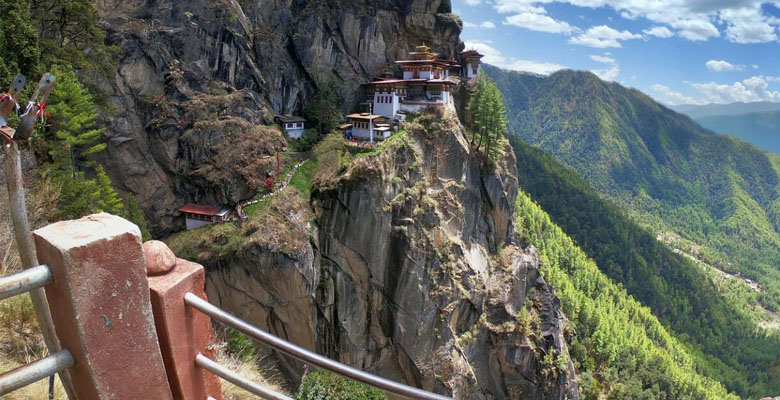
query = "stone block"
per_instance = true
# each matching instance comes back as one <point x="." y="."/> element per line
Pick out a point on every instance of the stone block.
<point x="100" y="304"/>
<point x="183" y="331"/>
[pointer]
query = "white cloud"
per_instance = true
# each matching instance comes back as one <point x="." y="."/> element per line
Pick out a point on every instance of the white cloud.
<point x="484" y="25"/>
<point x="659" y="31"/>
<point x="743" y="21"/>
<point x="542" y="68"/>
<point x="493" y="56"/>
<point x="747" y="25"/>
<point x="755" y="66"/>
<point x="695" y="29"/>
<point x="473" y="2"/>
<point x="602" y="59"/>
<point x="603" y="36"/>
<point x="609" y="73"/>
<point x="669" y="96"/>
<point x="517" y="6"/>
<point x="722" y="66"/>
<point x="755" y="88"/>
<point x="539" y="22"/>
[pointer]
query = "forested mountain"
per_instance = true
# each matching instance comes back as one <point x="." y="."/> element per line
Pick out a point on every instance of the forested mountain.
<point x="670" y="174"/>
<point x="620" y="349"/>
<point x="717" y="330"/>
<point x="664" y="173"/>
<point x="757" y="122"/>
<point x="759" y="128"/>
<point x="730" y="109"/>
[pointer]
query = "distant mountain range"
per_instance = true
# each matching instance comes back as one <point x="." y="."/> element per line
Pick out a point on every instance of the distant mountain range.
<point x="730" y="109"/>
<point x="757" y="123"/>
<point x="668" y="174"/>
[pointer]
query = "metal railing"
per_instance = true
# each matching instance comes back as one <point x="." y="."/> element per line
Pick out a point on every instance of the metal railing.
<point x="24" y="281"/>
<point x="35" y="371"/>
<point x="238" y="380"/>
<point x="294" y="351"/>
<point x="16" y="284"/>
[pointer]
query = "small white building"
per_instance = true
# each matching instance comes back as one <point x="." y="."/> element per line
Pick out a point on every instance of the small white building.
<point x="293" y="126"/>
<point x="367" y="126"/>
<point x="472" y="63"/>
<point x="197" y="215"/>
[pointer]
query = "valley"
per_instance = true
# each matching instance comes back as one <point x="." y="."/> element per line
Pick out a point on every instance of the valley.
<point x="356" y="180"/>
<point x="598" y="218"/>
<point x="757" y="123"/>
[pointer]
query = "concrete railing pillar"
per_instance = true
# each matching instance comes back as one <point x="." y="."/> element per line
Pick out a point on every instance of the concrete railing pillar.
<point x="101" y="307"/>
<point x="183" y="331"/>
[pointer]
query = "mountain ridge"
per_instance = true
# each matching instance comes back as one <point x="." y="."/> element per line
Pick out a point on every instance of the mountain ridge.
<point x="697" y="111"/>
<point x="659" y="168"/>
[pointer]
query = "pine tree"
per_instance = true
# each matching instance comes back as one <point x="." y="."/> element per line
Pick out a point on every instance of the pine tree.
<point x="136" y="216"/>
<point x="73" y="121"/>
<point x="72" y="134"/>
<point x="108" y="200"/>
<point x="70" y="34"/>
<point x="322" y="111"/>
<point x="488" y="119"/>
<point x="19" y="50"/>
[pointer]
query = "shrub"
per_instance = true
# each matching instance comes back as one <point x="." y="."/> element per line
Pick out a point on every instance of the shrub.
<point x="323" y="385"/>
<point x="239" y="345"/>
<point x="306" y="142"/>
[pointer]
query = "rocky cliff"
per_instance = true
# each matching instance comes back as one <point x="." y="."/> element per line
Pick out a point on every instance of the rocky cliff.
<point x="405" y="263"/>
<point x="402" y="261"/>
<point x="198" y="78"/>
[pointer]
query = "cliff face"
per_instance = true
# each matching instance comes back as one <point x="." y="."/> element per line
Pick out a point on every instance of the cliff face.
<point x="404" y="262"/>
<point x="205" y="69"/>
<point x="407" y="265"/>
<point x="429" y="285"/>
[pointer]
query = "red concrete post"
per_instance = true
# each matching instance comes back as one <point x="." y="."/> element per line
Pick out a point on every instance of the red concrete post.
<point x="183" y="331"/>
<point x="100" y="304"/>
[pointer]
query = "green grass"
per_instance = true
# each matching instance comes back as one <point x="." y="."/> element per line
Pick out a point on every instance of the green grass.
<point x="260" y="206"/>
<point x="324" y="385"/>
<point x="303" y="176"/>
<point x="397" y="138"/>
<point x="216" y="239"/>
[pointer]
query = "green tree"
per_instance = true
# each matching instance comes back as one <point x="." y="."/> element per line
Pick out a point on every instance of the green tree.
<point x="71" y="134"/>
<point x="108" y="199"/>
<point x="136" y="216"/>
<point x="19" y="50"/>
<point x="69" y="33"/>
<point x="73" y="122"/>
<point x="322" y="111"/>
<point x="488" y="119"/>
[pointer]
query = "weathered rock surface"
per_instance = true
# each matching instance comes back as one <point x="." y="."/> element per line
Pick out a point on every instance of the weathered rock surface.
<point x="242" y="62"/>
<point x="411" y="269"/>
<point x="405" y="264"/>
<point x="426" y="282"/>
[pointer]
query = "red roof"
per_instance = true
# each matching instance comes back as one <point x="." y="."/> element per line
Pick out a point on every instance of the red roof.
<point x="200" y="209"/>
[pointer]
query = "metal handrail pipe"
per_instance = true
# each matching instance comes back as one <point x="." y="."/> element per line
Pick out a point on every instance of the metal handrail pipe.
<point x="24" y="281"/>
<point x="35" y="371"/>
<point x="308" y="356"/>
<point x="238" y="380"/>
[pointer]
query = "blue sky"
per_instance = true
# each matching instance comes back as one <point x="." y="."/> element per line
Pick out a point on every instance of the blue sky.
<point x="677" y="51"/>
